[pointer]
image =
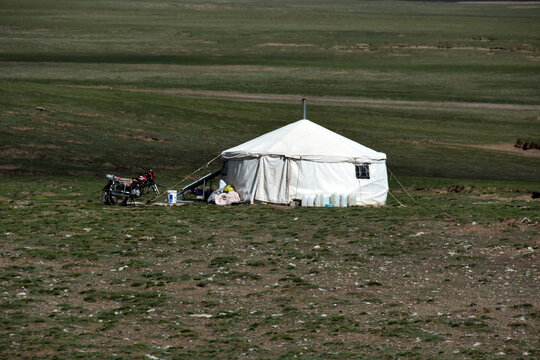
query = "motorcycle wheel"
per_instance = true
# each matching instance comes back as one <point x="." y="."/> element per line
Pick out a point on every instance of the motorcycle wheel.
<point x="105" y="197"/>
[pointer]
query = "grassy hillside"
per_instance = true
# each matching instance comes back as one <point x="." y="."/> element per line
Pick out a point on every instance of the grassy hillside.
<point x="52" y="51"/>
<point x="92" y="131"/>
<point x="93" y="87"/>
<point x="381" y="49"/>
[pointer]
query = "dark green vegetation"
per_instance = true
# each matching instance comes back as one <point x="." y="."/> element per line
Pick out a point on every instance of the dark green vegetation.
<point x="374" y="49"/>
<point x="445" y="89"/>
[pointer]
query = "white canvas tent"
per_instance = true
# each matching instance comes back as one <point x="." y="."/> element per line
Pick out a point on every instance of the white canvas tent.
<point x="301" y="159"/>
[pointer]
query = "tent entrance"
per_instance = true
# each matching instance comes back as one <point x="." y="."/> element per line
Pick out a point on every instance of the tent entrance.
<point x="200" y="189"/>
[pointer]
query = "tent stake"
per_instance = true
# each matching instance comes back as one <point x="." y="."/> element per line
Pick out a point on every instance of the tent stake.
<point x="304" y="106"/>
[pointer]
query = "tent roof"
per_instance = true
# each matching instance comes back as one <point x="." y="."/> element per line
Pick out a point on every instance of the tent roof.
<point x="306" y="140"/>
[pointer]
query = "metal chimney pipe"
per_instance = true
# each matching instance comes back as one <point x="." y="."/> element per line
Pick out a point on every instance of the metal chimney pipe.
<point x="304" y="106"/>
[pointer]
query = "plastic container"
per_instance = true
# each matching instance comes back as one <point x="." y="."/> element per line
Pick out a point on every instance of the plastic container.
<point x="325" y="199"/>
<point x="352" y="199"/>
<point x="343" y="200"/>
<point x="311" y="200"/>
<point x="318" y="200"/>
<point x="334" y="199"/>
<point x="171" y="196"/>
<point x="303" y="202"/>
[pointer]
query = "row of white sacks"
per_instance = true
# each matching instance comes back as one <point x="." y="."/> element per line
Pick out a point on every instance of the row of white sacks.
<point x="324" y="200"/>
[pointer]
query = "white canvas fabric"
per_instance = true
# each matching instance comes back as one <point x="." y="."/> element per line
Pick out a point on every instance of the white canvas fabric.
<point x="305" y="140"/>
<point x="301" y="159"/>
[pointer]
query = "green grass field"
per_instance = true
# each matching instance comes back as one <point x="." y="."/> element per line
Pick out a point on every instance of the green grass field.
<point x="443" y="88"/>
<point x="79" y="60"/>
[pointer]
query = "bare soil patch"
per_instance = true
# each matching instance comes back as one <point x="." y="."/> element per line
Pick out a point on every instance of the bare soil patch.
<point x="45" y="146"/>
<point x="79" y="142"/>
<point x="57" y="123"/>
<point x="499" y="197"/>
<point x="23" y="128"/>
<point x="138" y="137"/>
<point x="284" y="45"/>
<point x="353" y="48"/>
<point x="508" y="148"/>
<point x="9" y="152"/>
<point x="207" y="7"/>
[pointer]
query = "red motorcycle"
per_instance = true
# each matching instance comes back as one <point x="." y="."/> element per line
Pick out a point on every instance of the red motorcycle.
<point x="123" y="189"/>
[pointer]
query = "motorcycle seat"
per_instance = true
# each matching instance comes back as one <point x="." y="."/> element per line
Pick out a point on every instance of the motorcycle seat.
<point x="125" y="181"/>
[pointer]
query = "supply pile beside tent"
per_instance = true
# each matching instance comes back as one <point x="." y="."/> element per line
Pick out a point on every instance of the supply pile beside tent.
<point x="304" y="160"/>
